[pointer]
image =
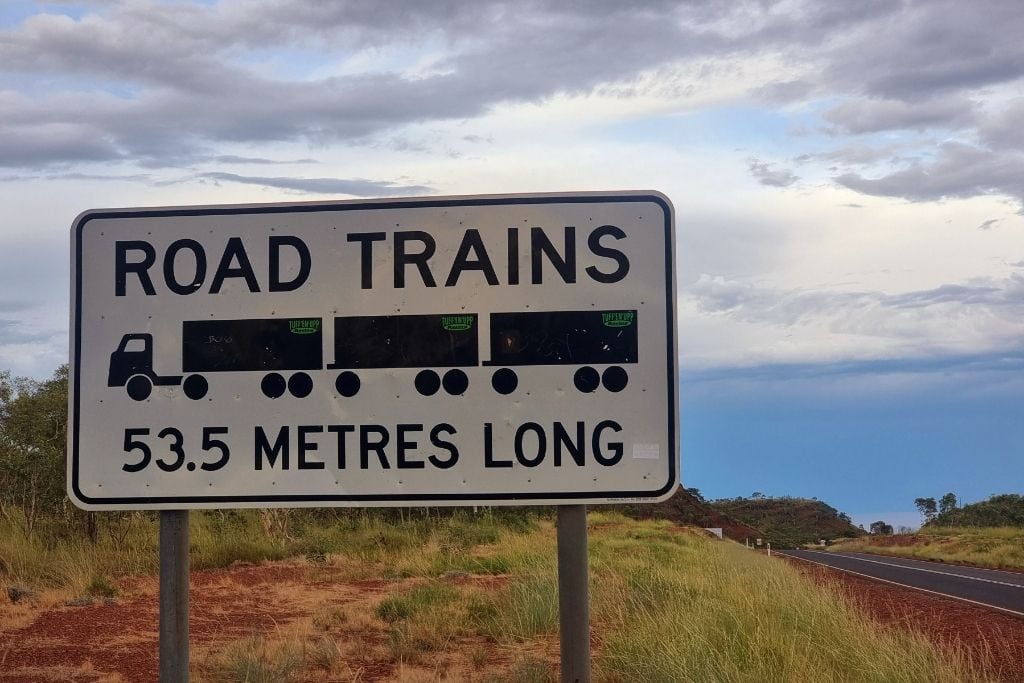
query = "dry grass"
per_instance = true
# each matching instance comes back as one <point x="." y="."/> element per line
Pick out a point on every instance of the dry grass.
<point x="674" y="607"/>
<point x="462" y="603"/>
<point x="996" y="547"/>
<point x="18" y="615"/>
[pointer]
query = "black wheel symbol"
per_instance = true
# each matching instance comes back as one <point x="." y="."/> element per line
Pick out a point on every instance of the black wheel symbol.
<point x="273" y="385"/>
<point x="139" y="387"/>
<point x="300" y="384"/>
<point x="614" y="378"/>
<point x="347" y="384"/>
<point x="195" y="387"/>
<point x="504" y="381"/>
<point x="427" y="382"/>
<point x="586" y="379"/>
<point x="456" y="382"/>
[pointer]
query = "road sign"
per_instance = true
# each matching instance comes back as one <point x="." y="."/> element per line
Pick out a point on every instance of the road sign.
<point x="438" y="351"/>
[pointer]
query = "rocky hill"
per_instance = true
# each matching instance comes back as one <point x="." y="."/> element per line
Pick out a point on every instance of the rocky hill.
<point x="687" y="507"/>
<point x="788" y="521"/>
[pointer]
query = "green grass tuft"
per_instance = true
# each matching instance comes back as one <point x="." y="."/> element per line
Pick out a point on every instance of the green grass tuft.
<point x="255" y="660"/>
<point x="415" y="601"/>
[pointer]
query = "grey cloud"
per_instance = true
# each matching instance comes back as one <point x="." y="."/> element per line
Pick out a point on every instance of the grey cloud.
<point x="747" y="302"/>
<point x="186" y="79"/>
<point x="959" y="171"/>
<point x="785" y="91"/>
<point x="1009" y="292"/>
<point x="11" y="305"/>
<point x="874" y="115"/>
<point x="15" y="332"/>
<point x="1003" y="129"/>
<point x="754" y="304"/>
<point x="355" y="187"/>
<point x="859" y="154"/>
<point x="32" y="145"/>
<point x="191" y="84"/>
<point x="767" y="175"/>
<point x="136" y="177"/>
<point x="930" y="47"/>
<point x="1010" y="360"/>
<point x="259" y="161"/>
<point x="989" y="224"/>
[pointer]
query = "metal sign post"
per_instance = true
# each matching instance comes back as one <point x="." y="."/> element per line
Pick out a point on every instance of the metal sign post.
<point x="573" y="594"/>
<point x="174" y="563"/>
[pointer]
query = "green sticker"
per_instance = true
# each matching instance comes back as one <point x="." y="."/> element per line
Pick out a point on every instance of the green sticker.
<point x="617" y="318"/>
<point x="457" y="323"/>
<point x="307" y="326"/>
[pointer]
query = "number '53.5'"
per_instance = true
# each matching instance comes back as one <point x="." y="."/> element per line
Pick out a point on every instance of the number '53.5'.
<point x="173" y="442"/>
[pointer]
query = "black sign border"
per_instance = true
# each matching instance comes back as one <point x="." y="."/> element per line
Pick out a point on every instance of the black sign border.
<point x="143" y="502"/>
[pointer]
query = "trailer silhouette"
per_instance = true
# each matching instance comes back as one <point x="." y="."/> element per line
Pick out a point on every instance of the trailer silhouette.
<point x="285" y="350"/>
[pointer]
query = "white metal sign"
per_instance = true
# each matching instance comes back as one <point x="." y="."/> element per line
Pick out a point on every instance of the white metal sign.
<point x="438" y="351"/>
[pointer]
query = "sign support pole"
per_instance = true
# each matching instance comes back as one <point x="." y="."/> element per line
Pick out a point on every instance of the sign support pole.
<point x="174" y="569"/>
<point x="573" y="594"/>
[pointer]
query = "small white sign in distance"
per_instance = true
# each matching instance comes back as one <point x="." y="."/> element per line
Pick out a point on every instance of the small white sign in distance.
<point x="480" y="350"/>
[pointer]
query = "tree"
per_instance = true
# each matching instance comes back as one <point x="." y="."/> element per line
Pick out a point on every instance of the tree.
<point x="880" y="528"/>
<point x="33" y="437"/>
<point x="695" y="492"/>
<point x="947" y="503"/>
<point x="927" y="508"/>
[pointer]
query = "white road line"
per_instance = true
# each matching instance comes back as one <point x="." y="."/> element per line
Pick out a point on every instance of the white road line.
<point x="906" y="585"/>
<point x="951" y="565"/>
<point x="920" y="569"/>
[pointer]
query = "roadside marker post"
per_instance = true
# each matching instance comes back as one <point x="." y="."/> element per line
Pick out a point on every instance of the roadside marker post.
<point x="174" y="596"/>
<point x="522" y="346"/>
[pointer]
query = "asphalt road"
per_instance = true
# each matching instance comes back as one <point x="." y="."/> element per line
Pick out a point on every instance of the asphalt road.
<point x="989" y="587"/>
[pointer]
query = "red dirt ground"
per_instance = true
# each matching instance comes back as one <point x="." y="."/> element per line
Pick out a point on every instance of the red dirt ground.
<point x="985" y="635"/>
<point x="118" y="642"/>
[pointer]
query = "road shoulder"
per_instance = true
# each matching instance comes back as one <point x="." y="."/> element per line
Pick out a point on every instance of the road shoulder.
<point x="980" y="633"/>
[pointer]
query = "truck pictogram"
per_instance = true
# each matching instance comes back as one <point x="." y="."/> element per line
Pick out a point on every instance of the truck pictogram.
<point x="441" y="347"/>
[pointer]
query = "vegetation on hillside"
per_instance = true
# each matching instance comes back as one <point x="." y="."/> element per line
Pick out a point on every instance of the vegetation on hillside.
<point x="688" y="507"/>
<point x="787" y="521"/>
<point x="1005" y="509"/>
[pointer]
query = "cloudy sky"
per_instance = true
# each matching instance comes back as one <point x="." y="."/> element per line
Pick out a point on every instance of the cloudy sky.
<point x="848" y="180"/>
